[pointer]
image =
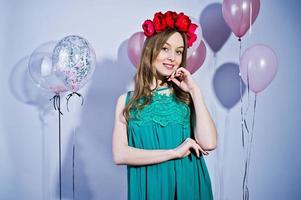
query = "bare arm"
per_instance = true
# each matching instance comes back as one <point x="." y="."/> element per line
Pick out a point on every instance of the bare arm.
<point x="127" y="155"/>
<point x="204" y="127"/>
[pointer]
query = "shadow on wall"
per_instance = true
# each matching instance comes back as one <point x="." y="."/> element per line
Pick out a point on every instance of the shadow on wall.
<point x="97" y="176"/>
<point x="19" y="138"/>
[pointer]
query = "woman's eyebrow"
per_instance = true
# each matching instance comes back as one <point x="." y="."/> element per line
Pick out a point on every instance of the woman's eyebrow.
<point x="177" y="47"/>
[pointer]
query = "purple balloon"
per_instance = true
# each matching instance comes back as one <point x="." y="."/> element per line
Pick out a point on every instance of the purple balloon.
<point x="215" y="30"/>
<point x="258" y="67"/>
<point x="197" y="58"/>
<point x="226" y="84"/>
<point x="134" y="48"/>
<point x="240" y="14"/>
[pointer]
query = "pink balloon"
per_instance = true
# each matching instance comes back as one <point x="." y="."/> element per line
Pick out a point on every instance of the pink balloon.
<point x="240" y="14"/>
<point x="134" y="47"/>
<point x="197" y="58"/>
<point x="258" y="64"/>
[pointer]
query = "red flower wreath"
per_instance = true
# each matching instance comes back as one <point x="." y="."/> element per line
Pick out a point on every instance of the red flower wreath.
<point x="171" y="19"/>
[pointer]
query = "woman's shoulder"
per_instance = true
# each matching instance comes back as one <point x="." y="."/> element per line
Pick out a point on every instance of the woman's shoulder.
<point x="123" y="98"/>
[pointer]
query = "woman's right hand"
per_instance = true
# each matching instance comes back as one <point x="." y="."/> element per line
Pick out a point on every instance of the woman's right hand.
<point x="184" y="149"/>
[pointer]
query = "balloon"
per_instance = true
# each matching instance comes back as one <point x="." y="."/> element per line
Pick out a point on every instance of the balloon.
<point x="41" y="68"/>
<point x="226" y="84"/>
<point x="74" y="61"/>
<point x="134" y="47"/>
<point x="215" y="30"/>
<point x="24" y="88"/>
<point x="258" y="64"/>
<point x="198" y="32"/>
<point x="240" y="14"/>
<point x="195" y="61"/>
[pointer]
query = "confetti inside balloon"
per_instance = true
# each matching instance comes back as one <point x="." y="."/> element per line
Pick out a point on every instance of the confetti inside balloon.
<point x="74" y="61"/>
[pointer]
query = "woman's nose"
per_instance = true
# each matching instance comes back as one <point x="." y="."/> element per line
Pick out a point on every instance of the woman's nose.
<point x="171" y="56"/>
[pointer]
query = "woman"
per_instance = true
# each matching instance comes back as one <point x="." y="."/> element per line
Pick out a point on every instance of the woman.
<point x="162" y="128"/>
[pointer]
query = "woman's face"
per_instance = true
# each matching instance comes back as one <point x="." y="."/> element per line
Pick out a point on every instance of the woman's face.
<point x="170" y="56"/>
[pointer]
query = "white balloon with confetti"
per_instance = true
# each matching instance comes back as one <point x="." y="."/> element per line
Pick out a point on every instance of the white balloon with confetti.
<point x="74" y="61"/>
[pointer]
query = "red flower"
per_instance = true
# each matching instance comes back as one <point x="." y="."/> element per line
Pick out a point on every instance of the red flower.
<point x="192" y="28"/>
<point x="182" y="22"/>
<point x="148" y="28"/>
<point x="159" y="22"/>
<point x="170" y="18"/>
<point x="191" y="38"/>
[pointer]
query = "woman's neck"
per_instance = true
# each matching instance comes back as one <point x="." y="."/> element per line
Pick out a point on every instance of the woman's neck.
<point x="159" y="83"/>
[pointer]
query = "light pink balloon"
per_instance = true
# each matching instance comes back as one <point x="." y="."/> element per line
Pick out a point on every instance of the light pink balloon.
<point x="197" y="58"/>
<point x="258" y="64"/>
<point x="240" y="14"/>
<point x="134" y="47"/>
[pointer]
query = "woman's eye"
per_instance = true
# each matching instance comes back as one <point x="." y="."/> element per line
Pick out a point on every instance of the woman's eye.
<point x="179" y="52"/>
<point x="164" y="48"/>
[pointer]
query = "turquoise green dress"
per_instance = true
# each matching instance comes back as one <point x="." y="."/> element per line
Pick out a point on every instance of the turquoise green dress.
<point x="165" y="124"/>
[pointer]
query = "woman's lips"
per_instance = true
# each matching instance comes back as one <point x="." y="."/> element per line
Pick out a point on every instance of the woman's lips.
<point x="168" y="66"/>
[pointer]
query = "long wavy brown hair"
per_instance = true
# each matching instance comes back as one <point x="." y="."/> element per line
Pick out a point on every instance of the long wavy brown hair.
<point x="147" y="72"/>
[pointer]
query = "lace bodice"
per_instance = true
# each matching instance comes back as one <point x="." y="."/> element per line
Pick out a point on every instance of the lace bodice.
<point x="163" y="110"/>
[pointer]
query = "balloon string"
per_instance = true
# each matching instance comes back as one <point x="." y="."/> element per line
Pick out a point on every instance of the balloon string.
<point x="248" y="86"/>
<point x="250" y="21"/>
<point x="248" y="159"/>
<point x="248" y="105"/>
<point x="241" y="114"/>
<point x="248" y="81"/>
<point x="70" y="95"/>
<point x="56" y="103"/>
<point x="73" y="164"/>
<point x="245" y="186"/>
<point x="57" y="106"/>
<point x="241" y="100"/>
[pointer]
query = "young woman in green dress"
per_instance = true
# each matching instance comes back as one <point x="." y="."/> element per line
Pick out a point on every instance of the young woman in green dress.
<point x="163" y="128"/>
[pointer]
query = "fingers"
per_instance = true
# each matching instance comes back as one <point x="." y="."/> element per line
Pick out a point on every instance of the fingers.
<point x="183" y="70"/>
<point x="189" y="144"/>
<point x="193" y="145"/>
<point x="180" y="75"/>
<point x="176" y="81"/>
<point x="176" y="77"/>
<point x="171" y="74"/>
<point x="197" y="148"/>
<point x="204" y="152"/>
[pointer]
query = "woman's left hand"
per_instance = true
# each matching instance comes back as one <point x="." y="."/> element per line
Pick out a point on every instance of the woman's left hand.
<point x="182" y="78"/>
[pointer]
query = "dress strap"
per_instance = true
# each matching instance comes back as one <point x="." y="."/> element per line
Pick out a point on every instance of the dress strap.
<point x="128" y="97"/>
